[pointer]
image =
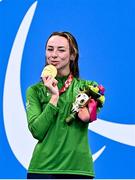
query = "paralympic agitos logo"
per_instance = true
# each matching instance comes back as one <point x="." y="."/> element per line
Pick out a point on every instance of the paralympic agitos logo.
<point x="14" y="112"/>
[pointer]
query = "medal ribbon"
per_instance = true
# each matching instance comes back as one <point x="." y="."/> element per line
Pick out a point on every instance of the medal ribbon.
<point x="66" y="84"/>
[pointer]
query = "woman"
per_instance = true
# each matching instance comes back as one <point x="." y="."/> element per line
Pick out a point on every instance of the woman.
<point x="62" y="150"/>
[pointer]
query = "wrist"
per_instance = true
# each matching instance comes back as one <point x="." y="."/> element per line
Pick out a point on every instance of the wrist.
<point x="54" y="99"/>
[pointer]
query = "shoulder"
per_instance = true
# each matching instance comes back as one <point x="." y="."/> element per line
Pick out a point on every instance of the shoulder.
<point x="35" y="88"/>
<point x="84" y="83"/>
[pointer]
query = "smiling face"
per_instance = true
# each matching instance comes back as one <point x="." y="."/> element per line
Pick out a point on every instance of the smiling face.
<point x="58" y="54"/>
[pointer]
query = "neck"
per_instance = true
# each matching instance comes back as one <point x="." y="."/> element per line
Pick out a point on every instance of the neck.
<point x="63" y="73"/>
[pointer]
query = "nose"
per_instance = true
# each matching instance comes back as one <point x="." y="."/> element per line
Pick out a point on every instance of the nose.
<point x="54" y="54"/>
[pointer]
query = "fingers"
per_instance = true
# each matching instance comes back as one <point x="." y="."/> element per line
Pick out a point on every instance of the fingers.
<point x="55" y="81"/>
<point x="49" y="81"/>
<point x="51" y="84"/>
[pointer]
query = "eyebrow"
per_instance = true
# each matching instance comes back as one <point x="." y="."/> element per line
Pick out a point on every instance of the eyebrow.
<point x="58" y="46"/>
<point x="61" y="47"/>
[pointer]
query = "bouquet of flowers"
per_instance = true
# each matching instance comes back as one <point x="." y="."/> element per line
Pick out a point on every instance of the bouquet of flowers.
<point x="91" y="96"/>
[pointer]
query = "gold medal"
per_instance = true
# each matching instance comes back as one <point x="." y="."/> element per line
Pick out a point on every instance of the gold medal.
<point x="49" y="70"/>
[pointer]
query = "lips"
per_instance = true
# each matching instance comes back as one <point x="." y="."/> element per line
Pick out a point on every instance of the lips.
<point x="54" y="62"/>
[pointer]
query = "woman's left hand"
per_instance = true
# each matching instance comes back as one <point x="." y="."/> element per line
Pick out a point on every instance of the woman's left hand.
<point x="84" y="114"/>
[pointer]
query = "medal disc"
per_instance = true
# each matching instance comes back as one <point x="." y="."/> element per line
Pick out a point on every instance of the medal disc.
<point x="49" y="70"/>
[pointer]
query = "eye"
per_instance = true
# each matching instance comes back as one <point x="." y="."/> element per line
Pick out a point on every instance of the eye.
<point x="62" y="50"/>
<point x="82" y="101"/>
<point x="49" y="49"/>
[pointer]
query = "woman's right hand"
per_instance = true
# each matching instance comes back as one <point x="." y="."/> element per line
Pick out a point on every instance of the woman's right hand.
<point x="51" y="84"/>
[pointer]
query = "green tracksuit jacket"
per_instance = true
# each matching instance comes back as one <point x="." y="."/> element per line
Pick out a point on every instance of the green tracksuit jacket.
<point x="61" y="148"/>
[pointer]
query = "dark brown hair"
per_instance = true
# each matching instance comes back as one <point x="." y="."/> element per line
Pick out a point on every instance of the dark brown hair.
<point x="73" y="46"/>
